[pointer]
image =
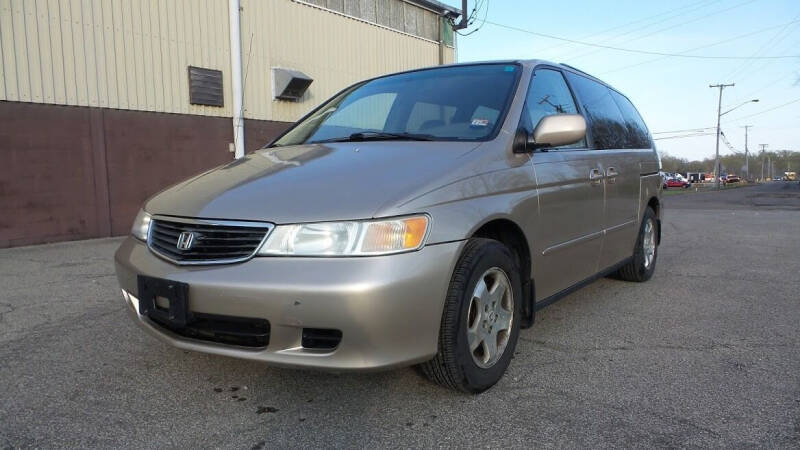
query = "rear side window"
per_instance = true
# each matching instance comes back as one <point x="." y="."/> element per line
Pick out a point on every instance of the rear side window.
<point x="608" y="126"/>
<point x="549" y="95"/>
<point x="638" y="136"/>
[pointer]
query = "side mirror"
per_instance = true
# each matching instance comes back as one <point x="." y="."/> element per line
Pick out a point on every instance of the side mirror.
<point x="558" y="130"/>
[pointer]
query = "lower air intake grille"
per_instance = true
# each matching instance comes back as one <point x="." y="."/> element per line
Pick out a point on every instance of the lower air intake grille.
<point x="229" y="330"/>
<point x="201" y="242"/>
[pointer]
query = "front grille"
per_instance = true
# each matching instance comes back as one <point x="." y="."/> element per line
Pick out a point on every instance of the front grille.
<point x="210" y="243"/>
<point x="229" y="330"/>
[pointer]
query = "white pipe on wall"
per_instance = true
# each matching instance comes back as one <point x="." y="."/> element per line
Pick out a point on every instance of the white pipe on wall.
<point x="236" y="78"/>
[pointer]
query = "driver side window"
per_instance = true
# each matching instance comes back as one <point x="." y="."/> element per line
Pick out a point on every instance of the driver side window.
<point x="549" y="95"/>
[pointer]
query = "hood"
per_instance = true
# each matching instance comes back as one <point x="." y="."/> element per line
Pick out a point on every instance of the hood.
<point x="314" y="182"/>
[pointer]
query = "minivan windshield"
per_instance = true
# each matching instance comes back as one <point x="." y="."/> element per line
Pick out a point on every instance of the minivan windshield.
<point x="443" y="104"/>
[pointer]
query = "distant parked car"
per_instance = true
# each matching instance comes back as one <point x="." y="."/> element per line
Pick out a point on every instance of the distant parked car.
<point x="733" y="179"/>
<point x="677" y="183"/>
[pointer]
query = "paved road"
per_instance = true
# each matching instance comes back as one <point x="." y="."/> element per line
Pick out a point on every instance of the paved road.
<point x="707" y="354"/>
<point x="772" y="196"/>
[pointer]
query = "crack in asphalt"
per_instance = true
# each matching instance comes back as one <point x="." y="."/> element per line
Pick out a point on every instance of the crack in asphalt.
<point x="6" y="308"/>
<point x="623" y="412"/>
<point x="726" y="277"/>
<point x="59" y="327"/>
<point x="682" y="347"/>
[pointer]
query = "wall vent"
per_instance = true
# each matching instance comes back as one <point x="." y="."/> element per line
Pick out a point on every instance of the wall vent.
<point x="205" y="86"/>
<point x="289" y="84"/>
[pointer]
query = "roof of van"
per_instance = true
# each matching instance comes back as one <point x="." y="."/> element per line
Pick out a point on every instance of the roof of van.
<point x="533" y="62"/>
<point x="524" y="62"/>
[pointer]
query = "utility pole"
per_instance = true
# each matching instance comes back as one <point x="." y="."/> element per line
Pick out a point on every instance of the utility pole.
<point x="769" y="167"/>
<point x="763" y="149"/>
<point x="719" y="115"/>
<point x="464" y="17"/>
<point x="746" y="154"/>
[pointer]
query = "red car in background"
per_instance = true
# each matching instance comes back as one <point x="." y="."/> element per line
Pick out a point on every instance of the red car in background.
<point x="732" y="179"/>
<point x="677" y="183"/>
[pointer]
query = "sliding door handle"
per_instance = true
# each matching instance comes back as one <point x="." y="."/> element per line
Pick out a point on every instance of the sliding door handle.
<point x="595" y="177"/>
<point x="611" y="175"/>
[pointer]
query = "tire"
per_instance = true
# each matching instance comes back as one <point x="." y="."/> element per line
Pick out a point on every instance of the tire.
<point x="638" y="268"/>
<point x="455" y="366"/>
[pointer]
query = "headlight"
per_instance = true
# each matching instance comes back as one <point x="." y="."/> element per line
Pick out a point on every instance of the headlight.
<point x="373" y="237"/>
<point x="141" y="225"/>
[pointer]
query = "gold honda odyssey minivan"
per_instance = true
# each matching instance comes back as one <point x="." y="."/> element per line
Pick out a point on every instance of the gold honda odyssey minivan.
<point x="419" y="218"/>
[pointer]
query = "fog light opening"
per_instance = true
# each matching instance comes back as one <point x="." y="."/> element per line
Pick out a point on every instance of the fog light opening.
<point x="321" y="338"/>
<point x="162" y="303"/>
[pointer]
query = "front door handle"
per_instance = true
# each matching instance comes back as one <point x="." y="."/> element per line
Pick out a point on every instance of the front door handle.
<point x="595" y="177"/>
<point x="611" y="175"/>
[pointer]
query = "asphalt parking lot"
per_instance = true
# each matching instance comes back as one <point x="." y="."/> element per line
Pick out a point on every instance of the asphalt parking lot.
<point x="706" y="354"/>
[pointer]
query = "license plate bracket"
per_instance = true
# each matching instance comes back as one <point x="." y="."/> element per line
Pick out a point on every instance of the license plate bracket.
<point x="175" y="292"/>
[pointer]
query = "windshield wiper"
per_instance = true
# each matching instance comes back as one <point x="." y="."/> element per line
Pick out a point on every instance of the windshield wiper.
<point x="378" y="136"/>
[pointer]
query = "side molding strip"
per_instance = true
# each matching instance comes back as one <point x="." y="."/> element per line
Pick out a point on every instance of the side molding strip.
<point x="559" y="295"/>
<point x="575" y="241"/>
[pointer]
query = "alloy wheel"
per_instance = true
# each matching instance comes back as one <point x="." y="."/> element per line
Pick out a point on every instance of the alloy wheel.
<point x="649" y="243"/>
<point x="490" y="316"/>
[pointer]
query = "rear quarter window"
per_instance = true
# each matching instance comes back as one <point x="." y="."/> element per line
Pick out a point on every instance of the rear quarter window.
<point x="638" y="136"/>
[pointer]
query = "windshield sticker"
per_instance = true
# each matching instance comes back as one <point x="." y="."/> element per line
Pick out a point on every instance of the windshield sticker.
<point x="480" y="122"/>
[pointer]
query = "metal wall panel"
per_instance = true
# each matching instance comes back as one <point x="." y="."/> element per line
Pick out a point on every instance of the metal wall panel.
<point x="124" y="54"/>
<point x="134" y="54"/>
<point x="334" y="49"/>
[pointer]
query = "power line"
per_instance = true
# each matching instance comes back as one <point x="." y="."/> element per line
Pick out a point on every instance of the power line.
<point x="728" y="143"/>
<point x="630" y="50"/>
<point x="683" y="136"/>
<point x="772" y="83"/>
<point x="759" y="68"/>
<point x="767" y="110"/>
<point x="474" y="14"/>
<point x="683" y="12"/>
<point x="644" y="19"/>
<point x="724" y="41"/>
<point x="714" y="13"/>
<point x="700" y="130"/>
<point x="684" y="131"/>
<point x="774" y="40"/>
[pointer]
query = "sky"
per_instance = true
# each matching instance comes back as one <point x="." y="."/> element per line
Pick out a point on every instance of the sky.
<point x="671" y="93"/>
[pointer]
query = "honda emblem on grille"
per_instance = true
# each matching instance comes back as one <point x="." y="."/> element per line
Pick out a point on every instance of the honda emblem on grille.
<point x="185" y="240"/>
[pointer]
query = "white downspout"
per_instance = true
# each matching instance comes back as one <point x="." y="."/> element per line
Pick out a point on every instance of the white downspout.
<point x="236" y="78"/>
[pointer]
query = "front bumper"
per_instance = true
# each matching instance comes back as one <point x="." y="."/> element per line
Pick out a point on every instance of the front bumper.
<point x="388" y="307"/>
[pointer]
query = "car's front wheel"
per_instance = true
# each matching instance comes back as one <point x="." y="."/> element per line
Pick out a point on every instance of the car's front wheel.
<point x="480" y="321"/>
